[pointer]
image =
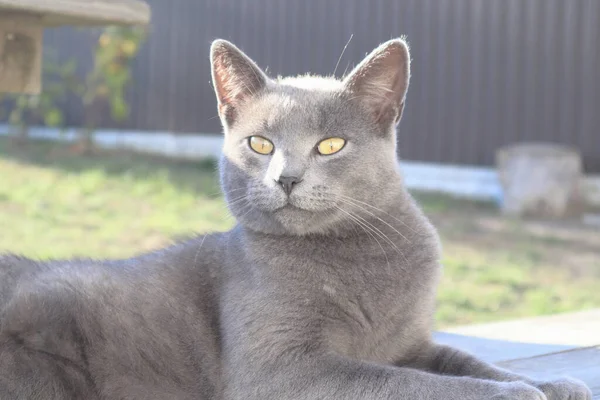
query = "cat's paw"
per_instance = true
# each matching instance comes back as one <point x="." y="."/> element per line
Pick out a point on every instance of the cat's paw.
<point x="518" y="391"/>
<point x="565" y="389"/>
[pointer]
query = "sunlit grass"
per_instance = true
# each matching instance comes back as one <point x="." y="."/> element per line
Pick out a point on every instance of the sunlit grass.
<point x="54" y="204"/>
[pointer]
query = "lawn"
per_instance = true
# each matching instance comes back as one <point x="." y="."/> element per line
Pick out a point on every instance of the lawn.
<point x="55" y="203"/>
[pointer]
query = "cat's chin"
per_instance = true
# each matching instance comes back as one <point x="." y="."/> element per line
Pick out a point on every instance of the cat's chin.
<point x="289" y="219"/>
<point x="301" y="221"/>
<point x="292" y="214"/>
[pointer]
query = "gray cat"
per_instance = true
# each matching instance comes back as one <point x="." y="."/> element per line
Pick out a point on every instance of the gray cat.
<point x="324" y="290"/>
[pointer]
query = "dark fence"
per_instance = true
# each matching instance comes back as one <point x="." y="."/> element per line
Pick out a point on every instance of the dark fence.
<point x="485" y="72"/>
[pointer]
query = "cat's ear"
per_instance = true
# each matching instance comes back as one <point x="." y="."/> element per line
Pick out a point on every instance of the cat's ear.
<point x="235" y="78"/>
<point x="380" y="81"/>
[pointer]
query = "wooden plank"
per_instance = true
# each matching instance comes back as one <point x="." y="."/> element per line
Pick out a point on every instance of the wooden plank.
<point x="83" y="12"/>
<point x="494" y="350"/>
<point x="583" y="364"/>
<point x="581" y="329"/>
<point x="20" y="53"/>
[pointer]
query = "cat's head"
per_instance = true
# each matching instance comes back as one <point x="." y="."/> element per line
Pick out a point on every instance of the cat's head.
<point x="301" y="155"/>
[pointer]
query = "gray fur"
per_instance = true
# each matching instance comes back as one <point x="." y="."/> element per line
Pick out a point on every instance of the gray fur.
<point x="327" y="294"/>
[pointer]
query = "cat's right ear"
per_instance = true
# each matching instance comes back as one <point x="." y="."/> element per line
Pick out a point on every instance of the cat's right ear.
<point x="380" y="82"/>
<point x="235" y="78"/>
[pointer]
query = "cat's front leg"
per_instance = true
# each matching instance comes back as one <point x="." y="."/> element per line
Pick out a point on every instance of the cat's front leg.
<point x="331" y="377"/>
<point x="450" y="361"/>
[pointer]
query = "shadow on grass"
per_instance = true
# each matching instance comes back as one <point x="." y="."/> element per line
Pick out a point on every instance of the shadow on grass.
<point x="197" y="176"/>
<point x="440" y="203"/>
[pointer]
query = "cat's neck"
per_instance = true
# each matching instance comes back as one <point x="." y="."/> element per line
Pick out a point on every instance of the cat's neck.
<point x="392" y="245"/>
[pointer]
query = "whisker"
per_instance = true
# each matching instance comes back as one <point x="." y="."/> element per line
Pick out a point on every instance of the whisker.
<point x="341" y="55"/>
<point x="345" y="70"/>
<point x="369" y="212"/>
<point x="384" y="236"/>
<point x="228" y="204"/>
<point x="199" y="247"/>
<point x="220" y="192"/>
<point x="382" y="211"/>
<point x="245" y="213"/>
<point x="229" y="213"/>
<point x="232" y="202"/>
<point x="369" y="233"/>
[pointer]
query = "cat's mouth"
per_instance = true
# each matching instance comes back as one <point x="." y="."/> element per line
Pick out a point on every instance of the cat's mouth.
<point x="304" y="207"/>
<point x="294" y="206"/>
<point x="289" y="207"/>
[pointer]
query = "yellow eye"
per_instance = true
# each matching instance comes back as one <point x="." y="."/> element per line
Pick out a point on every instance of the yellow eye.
<point x="261" y="145"/>
<point x="331" y="145"/>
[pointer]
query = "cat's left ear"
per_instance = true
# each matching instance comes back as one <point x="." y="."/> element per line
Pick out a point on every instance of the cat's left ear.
<point x="380" y="81"/>
<point x="236" y="78"/>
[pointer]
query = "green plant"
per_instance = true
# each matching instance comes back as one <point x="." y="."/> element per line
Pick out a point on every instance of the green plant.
<point x="115" y="51"/>
<point x="27" y="109"/>
<point x="104" y="85"/>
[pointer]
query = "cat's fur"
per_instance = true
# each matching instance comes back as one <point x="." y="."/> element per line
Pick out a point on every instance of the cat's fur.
<point x="326" y="294"/>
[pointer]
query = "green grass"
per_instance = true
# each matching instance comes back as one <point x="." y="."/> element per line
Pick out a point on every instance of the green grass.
<point x="497" y="268"/>
<point x="480" y="287"/>
<point x="55" y="204"/>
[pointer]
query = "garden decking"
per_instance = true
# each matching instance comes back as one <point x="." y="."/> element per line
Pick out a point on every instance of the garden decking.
<point x="81" y="12"/>
<point x="541" y="347"/>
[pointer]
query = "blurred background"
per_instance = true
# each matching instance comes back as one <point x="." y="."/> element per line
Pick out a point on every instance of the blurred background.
<point x="500" y="139"/>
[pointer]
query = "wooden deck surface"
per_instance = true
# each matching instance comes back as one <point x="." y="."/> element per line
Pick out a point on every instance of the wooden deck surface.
<point x="542" y="347"/>
<point x="583" y="364"/>
<point x="81" y="12"/>
<point x="574" y="329"/>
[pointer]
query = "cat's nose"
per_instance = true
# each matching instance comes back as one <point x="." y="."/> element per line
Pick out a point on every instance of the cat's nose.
<point x="288" y="183"/>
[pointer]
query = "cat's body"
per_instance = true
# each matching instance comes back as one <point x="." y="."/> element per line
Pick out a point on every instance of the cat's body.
<point x="324" y="290"/>
<point x="142" y="328"/>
